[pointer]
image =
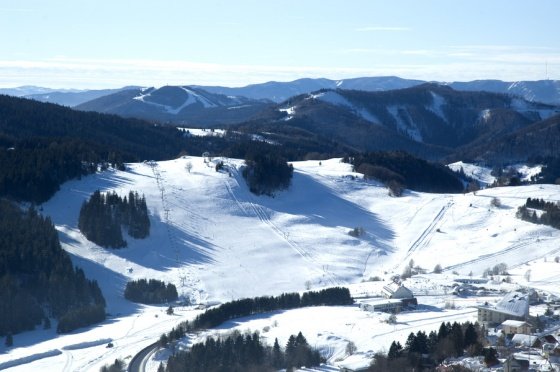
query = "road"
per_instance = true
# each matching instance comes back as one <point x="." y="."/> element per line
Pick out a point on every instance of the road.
<point x="138" y="362"/>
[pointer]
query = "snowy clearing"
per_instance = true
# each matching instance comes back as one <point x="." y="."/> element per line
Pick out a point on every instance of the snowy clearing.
<point x="216" y="242"/>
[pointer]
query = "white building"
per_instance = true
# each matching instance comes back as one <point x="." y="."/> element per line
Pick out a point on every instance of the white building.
<point x="397" y="291"/>
<point x="514" y="306"/>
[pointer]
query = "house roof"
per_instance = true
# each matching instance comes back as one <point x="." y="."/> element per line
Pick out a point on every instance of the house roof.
<point x="514" y="303"/>
<point x="391" y="288"/>
<point x="356" y="362"/>
<point x="521" y="339"/>
<point x="550" y="339"/>
<point x="514" y="323"/>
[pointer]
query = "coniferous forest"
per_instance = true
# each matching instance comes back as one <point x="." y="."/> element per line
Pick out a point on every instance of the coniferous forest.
<point x="267" y="172"/>
<point x="150" y="291"/>
<point x="37" y="279"/>
<point x="240" y="353"/>
<point x="422" y="351"/>
<point x="550" y="212"/>
<point x="408" y="171"/>
<point x="248" y="306"/>
<point x="102" y="216"/>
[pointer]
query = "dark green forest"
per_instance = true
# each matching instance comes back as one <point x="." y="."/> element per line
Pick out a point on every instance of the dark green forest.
<point x="37" y="279"/>
<point x="406" y="171"/>
<point x="267" y="173"/>
<point x="249" y="306"/>
<point x="422" y="352"/>
<point x="150" y="291"/>
<point x="550" y="212"/>
<point x="241" y="353"/>
<point x="102" y="216"/>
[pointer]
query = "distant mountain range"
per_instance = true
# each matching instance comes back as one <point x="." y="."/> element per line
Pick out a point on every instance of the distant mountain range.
<point x="429" y="120"/>
<point x="177" y="105"/>
<point x="454" y="121"/>
<point x="64" y="97"/>
<point x="546" y="91"/>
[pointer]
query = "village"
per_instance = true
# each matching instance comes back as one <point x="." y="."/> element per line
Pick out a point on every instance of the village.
<point x="522" y="325"/>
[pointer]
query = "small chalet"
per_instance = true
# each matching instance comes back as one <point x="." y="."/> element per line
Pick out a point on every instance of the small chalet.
<point x="512" y="327"/>
<point x="354" y="363"/>
<point x="526" y="340"/>
<point x="397" y="291"/>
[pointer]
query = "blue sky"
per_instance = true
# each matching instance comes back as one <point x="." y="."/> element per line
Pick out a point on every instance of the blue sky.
<point x="102" y="43"/>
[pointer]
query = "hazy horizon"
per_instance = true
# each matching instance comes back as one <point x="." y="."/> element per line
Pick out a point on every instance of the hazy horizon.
<point x="103" y="44"/>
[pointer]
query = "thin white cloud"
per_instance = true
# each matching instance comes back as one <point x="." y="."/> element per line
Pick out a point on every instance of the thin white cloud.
<point x="383" y="29"/>
<point x="102" y="73"/>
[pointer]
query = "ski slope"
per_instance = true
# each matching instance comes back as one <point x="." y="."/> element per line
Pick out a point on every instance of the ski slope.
<point x="216" y="242"/>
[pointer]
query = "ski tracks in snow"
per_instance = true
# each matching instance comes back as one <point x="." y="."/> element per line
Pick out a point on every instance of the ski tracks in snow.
<point x="264" y="217"/>
<point x="425" y="237"/>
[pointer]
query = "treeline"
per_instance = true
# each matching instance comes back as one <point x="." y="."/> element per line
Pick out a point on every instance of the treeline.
<point x="43" y="145"/>
<point x="241" y="353"/>
<point x="37" y="278"/>
<point x="550" y="172"/>
<point x="151" y="291"/>
<point x="399" y="170"/>
<point x="102" y="216"/>
<point x="266" y="173"/>
<point x="250" y="306"/>
<point x="549" y="216"/>
<point x="423" y="351"/>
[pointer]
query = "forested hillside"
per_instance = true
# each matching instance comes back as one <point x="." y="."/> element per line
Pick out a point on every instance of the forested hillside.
<point x="37" y="279"/>
<point x="401" y="170"/>
<point x="103" y="215"/>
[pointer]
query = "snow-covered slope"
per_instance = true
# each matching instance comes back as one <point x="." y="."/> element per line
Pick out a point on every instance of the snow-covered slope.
<point x="177" y="104"/>
<point x="216" y="241"/>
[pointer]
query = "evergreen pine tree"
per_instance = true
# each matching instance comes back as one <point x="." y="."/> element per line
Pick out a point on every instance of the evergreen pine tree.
<point x="457" y="338"/>
<point x="471" y="336"/>
<point x="394" y="350"/>
<point x="410" y="344"/>
<point x="277" y="359"/>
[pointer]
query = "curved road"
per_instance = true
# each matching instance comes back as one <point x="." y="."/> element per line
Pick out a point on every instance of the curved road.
<point x="138" y="362"/>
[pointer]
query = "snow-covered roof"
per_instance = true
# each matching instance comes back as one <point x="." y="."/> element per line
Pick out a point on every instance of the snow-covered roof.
<point x="391" y="288"/>
<point x="356" y="362"/>
<point x="514" y="303"/>
<point x="381" y="301"/>
<point x="513" y="323"/>
<point x="521" y="339"/>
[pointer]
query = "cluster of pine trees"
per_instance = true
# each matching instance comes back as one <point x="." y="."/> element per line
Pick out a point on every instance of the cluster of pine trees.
<point x="550" y="172"/>
<point x="151" y="291"/>
<point x="102" y="216"/>
<point x="240" y="353"/>
<point x="37" y="278"/>
<point x="550" y="212"/>
<point x="249" y="306"/>
<point x="406" y="171"/>
<point x="422" y="351"/>
<point x="266" y="173"/>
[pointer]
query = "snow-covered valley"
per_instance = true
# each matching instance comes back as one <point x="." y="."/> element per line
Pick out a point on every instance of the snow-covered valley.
<point x="216" y="242"/>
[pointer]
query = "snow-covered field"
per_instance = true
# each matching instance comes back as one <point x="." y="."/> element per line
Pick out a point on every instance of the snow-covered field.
<point x="216" y="242"/>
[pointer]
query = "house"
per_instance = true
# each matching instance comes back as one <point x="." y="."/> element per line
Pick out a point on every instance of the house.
<point x="471" y="280"/>
<point x="526" y="361"/>
<point x="514" y="306"/>
<point x="548" y="339"/>
<point x="354" y="363"/>
<point x="512" y="327"/>
<point x="514" y="364"/>
<point x="388" y="305"/>
<point x="526" y="340"/>
<point x="395" y="290"/>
